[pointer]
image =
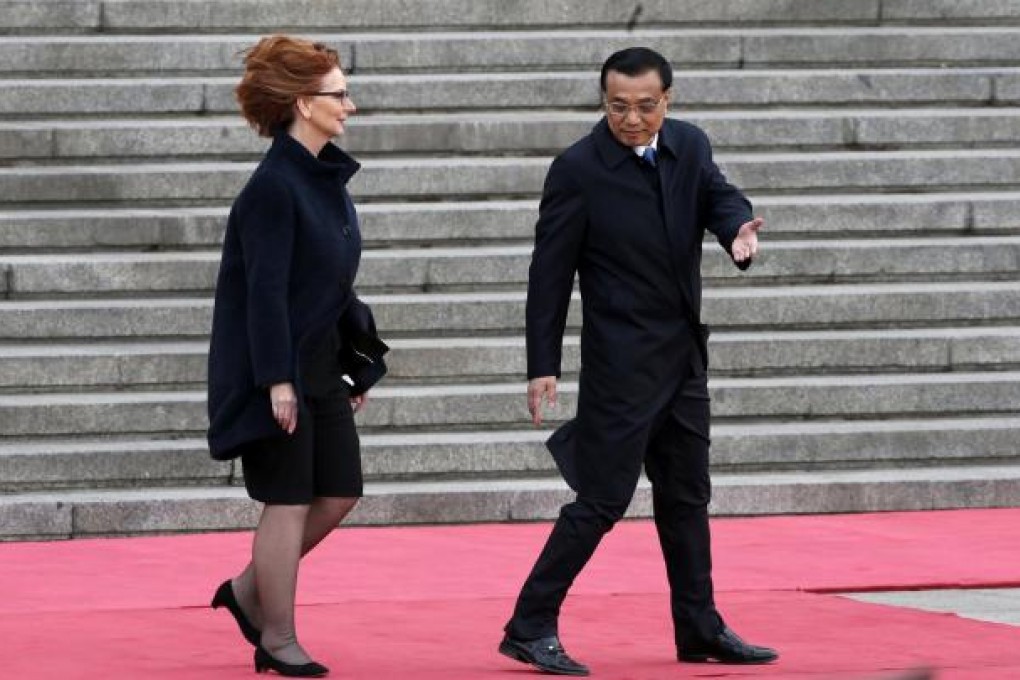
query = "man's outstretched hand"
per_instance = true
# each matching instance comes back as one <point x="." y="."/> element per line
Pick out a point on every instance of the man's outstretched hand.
<point x="745" y="245"/>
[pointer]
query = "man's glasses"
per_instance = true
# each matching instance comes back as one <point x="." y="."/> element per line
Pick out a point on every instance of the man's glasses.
<point x="339" y="95"/>
<point x="644" y="108"/>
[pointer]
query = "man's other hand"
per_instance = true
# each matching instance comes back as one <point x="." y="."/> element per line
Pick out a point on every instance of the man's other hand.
<point x="539" y="389"/>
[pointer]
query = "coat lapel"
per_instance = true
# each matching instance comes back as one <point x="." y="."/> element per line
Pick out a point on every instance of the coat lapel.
<point x="670" y="170"/>
<point x="613" y="154"/>
<point x="610" y="151"/>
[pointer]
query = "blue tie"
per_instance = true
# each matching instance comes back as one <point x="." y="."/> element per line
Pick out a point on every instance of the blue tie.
<point x="649" y="155"/>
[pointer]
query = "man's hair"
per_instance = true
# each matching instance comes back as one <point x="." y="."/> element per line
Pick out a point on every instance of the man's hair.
<point x="636" y="61"/>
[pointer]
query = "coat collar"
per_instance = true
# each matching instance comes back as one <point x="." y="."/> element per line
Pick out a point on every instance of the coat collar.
<point x="613" y="153"/>
<point x="331" y="162"/>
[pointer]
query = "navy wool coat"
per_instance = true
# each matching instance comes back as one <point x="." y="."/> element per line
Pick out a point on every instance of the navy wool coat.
<point x="637" y="253"/>
<point x="290" y="255"/>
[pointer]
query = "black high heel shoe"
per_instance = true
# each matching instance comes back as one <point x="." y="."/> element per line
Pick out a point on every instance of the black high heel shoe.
<point x="224" y="597"/>
<point x="265" y="661"/>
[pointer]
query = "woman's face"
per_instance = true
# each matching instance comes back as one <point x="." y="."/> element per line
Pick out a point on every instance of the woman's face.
<point x="330" y="107"/>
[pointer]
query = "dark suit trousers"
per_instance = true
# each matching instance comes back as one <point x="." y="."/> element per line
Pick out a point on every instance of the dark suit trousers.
<point x="676" y="462"/>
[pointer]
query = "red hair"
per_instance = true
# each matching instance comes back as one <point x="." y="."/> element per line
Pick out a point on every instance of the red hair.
<point x="278" y="70"/>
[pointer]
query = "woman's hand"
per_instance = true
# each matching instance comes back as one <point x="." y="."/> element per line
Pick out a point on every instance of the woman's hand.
<point x="358" y="402"/>
<point x="284" y="401"/>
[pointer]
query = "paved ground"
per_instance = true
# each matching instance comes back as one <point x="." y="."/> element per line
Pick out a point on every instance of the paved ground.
<point x="997" y="605"/>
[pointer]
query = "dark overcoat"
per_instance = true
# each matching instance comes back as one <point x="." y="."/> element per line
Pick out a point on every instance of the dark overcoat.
<point x="290" y="255"/>
<point x="637" y="253"/>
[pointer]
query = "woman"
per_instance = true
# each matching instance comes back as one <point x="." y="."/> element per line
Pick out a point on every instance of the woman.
<point x="293" y="351"/>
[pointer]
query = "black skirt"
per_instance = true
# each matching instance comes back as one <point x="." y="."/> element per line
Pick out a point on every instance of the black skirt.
<point x="322" y="458"/>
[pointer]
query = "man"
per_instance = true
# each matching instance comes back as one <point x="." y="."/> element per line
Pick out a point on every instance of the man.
<point x="626" y="208"/>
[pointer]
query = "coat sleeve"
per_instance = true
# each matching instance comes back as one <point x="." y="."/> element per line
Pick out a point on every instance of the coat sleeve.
<point x="725" y="207"/>
<point x="266" y="229"/>
<point x="559" y="234"/>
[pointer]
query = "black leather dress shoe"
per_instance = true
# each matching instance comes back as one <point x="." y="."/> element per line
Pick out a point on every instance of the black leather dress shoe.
<point x="545" y="654"/>
<point x="725" y="647"/>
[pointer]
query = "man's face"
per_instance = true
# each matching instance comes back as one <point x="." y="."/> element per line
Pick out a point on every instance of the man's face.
<point x="635" y="106"/>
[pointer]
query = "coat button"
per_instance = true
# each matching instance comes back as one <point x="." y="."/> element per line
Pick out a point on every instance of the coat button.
<point x="347" y="231"/>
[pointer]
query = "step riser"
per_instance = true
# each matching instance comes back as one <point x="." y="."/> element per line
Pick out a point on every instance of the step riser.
<point x="775" y="264"/>
<point x="951" y="10"/>
<point x="318" y="15"/>
<point x="785" y="217"/>
<point x="111" y="322"/>
<point x="730" y="452"/>
<point x="73" y="58"/>
<point x="186" y="414"/>
<point x="52" y="520"/>
<point x="221" y="182"/>
<point x="113" y="470"/>
<point x="723" y="89"/>
<point x="459" y="362"/>
<point x="524" y="51"/>
<point x="72" y="16"/>
<point x="539" y="136"/>
<point x="305" y="15"/>
<point x="507" y="177"/>
<point x="838" y="309"/>
<point x="876" y="307"/>
<point x="524" y="91"/>
<point x="730" y="357"/>
<point x="112" y="371"/>
<point x="110" y="230"/>
<point x="756" y="500"/>
<point x="885" y="49"/>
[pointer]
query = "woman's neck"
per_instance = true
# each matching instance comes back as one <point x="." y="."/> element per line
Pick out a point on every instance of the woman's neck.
<point x="311" y="139"/>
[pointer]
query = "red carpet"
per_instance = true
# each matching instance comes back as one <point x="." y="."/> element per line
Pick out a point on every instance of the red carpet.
<point x="429" y="602"/>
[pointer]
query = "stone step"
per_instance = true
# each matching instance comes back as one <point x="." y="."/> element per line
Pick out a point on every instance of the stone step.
<point x="517" y="133"/>
<point x="885" y="46"/>
<point x="503" y="404"/>
<point x="793" y="216"/>
<point x="801" y="262"/>
<point x="71" y="514"/>
<point x="262" y="16"/>
<point x="66" y="464"/>
<point x="154" y="365"/>
<point x="732" y="353"/>
<point x="774" y="308"/>
<point x="90" y="16"/>
<point x="480" y="268"/>
<point x="73" y="463"/>
<point x="892" y="87"/>
<point x="945" y="11"/>
<point x="763" y="307"/>
<point x="433" y="178"/>
<point x="488" y="50"/>
<point x="446" y="439"/>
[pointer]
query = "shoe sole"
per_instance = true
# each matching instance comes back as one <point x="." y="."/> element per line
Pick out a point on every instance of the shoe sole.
<point x="509" y="650"/>
<point x="712" y="659"/>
